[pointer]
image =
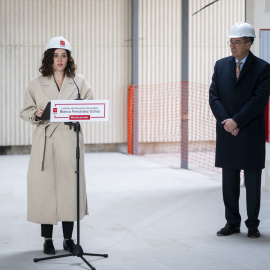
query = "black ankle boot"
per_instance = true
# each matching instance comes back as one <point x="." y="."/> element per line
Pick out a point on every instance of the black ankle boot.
<point x="69" y="245"/>
<point x="48" y="247"/>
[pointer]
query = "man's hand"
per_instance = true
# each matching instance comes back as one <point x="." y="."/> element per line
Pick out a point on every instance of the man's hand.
<point x="235" y="132"/>
<point x="229" y="125"/>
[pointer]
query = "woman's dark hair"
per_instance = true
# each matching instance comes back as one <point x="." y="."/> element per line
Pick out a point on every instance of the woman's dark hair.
<point x="46" y="68"/>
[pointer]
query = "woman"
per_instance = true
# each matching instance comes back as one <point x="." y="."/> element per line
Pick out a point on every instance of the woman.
<point x="51" y="178"/>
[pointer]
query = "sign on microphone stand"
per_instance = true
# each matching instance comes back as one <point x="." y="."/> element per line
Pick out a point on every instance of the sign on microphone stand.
<point x="79" y="110"/>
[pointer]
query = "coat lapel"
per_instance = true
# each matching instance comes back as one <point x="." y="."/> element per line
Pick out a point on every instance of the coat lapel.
<point x="232" y="68"/>
<point x="247" y="66"/>
<point x="49" y="88"/>
<point x="67" y="89"/>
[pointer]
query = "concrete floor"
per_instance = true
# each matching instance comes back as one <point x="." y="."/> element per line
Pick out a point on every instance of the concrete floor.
<point x="143" y="214"/>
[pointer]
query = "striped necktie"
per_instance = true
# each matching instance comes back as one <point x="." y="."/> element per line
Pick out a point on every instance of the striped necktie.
<point x="238" y="69"/>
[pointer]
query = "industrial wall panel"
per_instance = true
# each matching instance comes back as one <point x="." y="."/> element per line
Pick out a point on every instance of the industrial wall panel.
<point x="100" y="34"/>
<point x="160" y="38"/>
<point x="159" y="41"/>
<point x="160" y="55"/>
<point x="159" y="65"/>
<point x="265" y="44"/>
<point x="209" y="28"/>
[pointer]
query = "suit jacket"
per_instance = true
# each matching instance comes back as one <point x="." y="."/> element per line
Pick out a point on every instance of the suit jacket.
<point x="243" y="100"/>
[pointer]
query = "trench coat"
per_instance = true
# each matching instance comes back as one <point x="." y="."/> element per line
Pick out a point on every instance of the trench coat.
<point x="244" y="100"/>
<point x="51" y="178"/>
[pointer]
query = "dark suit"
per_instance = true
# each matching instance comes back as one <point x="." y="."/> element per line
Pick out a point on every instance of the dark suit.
<point x="244" y="100"/>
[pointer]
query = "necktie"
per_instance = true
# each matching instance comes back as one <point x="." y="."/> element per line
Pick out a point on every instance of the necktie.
<point x="238" y="69"/>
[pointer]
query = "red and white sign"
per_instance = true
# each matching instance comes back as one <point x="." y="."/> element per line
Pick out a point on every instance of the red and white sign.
<point x="79" y="110"/>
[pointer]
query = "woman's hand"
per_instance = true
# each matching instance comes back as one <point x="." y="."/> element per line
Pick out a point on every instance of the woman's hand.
<point x="39" y="113"/>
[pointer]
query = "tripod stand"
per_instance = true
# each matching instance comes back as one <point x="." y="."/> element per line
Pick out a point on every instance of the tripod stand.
<point x="78" y="251"/>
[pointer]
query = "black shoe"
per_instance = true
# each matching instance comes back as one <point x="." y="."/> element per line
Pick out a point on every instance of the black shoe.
<point x="48" y="247"/>
<point x="228" y="230"/>
<point x="253" y="231"/>
<point x="69" y="245"/>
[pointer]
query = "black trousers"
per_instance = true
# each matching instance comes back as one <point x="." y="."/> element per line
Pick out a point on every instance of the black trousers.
<point x="67" y="226"/>
<point x="231" y="194"/>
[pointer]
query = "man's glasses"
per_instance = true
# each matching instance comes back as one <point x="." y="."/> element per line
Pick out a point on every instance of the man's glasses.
<point x="235" y="43"/>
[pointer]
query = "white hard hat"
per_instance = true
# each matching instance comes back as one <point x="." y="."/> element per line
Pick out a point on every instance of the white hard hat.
<point x="58" y="43"/>
<point x="242" y="29"/>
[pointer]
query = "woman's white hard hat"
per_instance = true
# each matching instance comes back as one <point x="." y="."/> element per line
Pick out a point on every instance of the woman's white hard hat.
<point x="58" y="43"/>
<point x="242" y="29"/>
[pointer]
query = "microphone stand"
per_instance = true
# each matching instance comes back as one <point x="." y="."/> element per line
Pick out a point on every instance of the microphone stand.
<point x="78" y="251"/>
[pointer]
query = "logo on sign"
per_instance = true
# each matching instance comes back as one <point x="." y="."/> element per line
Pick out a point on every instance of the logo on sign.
<point x="54" y="110"/>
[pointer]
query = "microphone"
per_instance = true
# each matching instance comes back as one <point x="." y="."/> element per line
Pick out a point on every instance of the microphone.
<point x="79" y="96"/>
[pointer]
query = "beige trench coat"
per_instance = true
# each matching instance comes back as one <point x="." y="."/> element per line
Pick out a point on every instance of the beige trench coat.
<point x="51" y="178"/>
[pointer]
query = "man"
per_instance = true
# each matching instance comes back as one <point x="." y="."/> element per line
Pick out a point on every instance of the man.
<point x="238" y="95"/>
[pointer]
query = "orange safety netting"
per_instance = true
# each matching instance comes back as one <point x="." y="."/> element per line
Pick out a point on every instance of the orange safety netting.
<point x="172" y="123"/>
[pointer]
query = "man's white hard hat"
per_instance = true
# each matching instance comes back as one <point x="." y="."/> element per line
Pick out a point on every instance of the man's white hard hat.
<point x="58" y="43"/>
<point x="242" y="29"/>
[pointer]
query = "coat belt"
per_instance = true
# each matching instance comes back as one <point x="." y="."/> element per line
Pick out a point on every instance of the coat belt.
<point x="47" y="131"/>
